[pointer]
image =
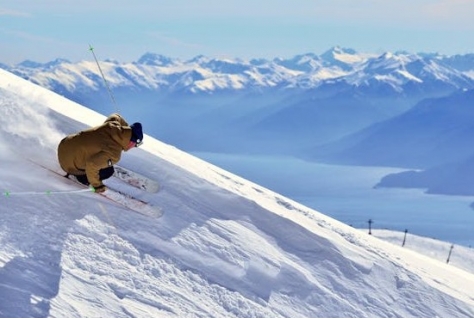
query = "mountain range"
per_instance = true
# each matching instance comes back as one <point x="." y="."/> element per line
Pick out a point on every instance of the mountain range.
<point x="393" y="109"/>
<point x="397" y="73"/>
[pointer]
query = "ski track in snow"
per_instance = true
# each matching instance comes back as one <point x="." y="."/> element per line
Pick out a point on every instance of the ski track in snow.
<point x="225" y="247"/>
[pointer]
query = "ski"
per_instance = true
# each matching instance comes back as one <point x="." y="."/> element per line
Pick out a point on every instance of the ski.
<point x="136" y="180"/>
<point x="127" y="200"/>
<point x="123" y="199"/>
<point x="132" y="203"/>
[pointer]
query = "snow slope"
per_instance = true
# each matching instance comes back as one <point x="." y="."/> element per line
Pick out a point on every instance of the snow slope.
<point x="459" y="256"/>
<point x="224" y="248"/>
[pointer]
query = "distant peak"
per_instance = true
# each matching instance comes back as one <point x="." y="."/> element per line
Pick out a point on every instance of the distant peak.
<point x="339" y="50"/>
<point x="33" y="64"/>
<point x="29" y="64"/>
<point x="154" y="59"/>
<point x="342" y="57"/>
<point x="386" y="56"/>
<point x="199" y="59"/>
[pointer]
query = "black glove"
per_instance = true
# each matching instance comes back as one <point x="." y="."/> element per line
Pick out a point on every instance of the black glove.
<point x="100" y="189"/>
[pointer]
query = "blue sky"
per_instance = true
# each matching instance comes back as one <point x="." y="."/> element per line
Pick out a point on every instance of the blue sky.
<point x="124" y="29"/>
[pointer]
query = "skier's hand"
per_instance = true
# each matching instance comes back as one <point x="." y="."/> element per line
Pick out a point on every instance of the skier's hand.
<point x="100" y="189"/>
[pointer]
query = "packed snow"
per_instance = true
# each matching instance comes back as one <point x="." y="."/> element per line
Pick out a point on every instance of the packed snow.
<point x="225" y="247"/>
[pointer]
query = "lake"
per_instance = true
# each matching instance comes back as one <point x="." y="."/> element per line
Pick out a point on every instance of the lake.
<point x="347" y="193"/>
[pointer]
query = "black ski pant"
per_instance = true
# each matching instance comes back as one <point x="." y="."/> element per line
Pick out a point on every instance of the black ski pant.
<point x="104" y="173"/>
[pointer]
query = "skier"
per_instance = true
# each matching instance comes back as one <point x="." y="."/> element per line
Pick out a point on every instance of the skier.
<point x="89" y="155"/>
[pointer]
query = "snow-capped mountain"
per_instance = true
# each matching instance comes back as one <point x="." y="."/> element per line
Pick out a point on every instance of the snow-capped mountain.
<point x="225" y="247"/>
<point x="203" y="74"/>
<point x="328" y="95"/>
<point x="344" y="58"/>
<point x="410" y="74"/>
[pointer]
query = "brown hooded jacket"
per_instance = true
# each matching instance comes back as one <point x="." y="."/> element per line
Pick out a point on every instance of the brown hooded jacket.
<point x="96" y="148"/>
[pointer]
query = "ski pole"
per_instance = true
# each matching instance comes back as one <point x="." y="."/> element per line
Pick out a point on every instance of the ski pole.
<point x="105" y="81"/>
<point x="48" y="192"/>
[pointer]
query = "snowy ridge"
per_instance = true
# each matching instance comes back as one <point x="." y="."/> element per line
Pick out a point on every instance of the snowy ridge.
<point x="204" y="74"/>
<point x="225" y="247"/>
